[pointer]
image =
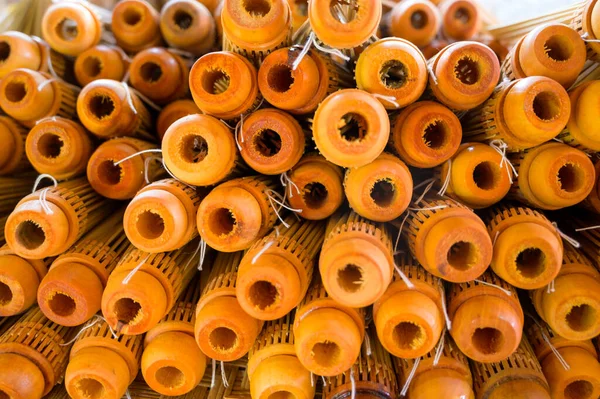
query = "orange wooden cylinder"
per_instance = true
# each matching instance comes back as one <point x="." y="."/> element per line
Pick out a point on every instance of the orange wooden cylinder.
<point x="449" y="378"/>
<point x="108" y="108"/>
<point x="100" y="364"/>
<point x="172" y="112"/>
<point x="394" y="69"/>
<point x="522" y="113"/>
<point x="319" y="183"/>
<point x="425" y="134"/>
<point x="18" y="50"/>
<point x="351" y="128"/>
<point x="463" y="75"/>
<point x="587" y="23"/>
<point x="299" y="91"/>
<point x="162" y="216"/>
<point x="59" y="147"/>
<point x="572" y="309"/>
<point x="328" y="335"/>
<point x="29" y="96"/>
<point x="356" y="262"/>
<point x="71" y="292"/>
<point x="124" y="180"/>
<point x="410" y="320"/>
<point x="271" y="141"/>
<point x="518" y="376"/>
<point x="143" y="287"/>
<point x="487" y="321"/>
<point x="299" y="11"/>
<point x="172" y="364"/>
<point x="273" y="368"/>
<point x="592" y="201"/>
<point x="200" y="150"/>
<point x="19" y="281"/>
<point x="223" y="330"/>
<point x="580" y="378"/>
<point x="373" y="376"/>
<point x="552" y="176"/>
<point x="256" y="28"/>
<point x="342" y="25"/>
<point x="37" y="229"/>
<point x="460" y="19"/>
<point x="553" y="50"/>
<point x="476" y="176"/>
<point x="100" y="62"/>
<point x="237" y="213"/>
<point x="448" y="240"/>
<point x="135" y="25"/>
<point x="580" y="131"/>
<point x="71" y="27"/>
<point x="381" y="190"/>
<point x="417" y="21"/>
<point x="13" y="158"/>
<point x="188" y="25"/>
<point x="275" y="272"/>
<point x="159" y="74"/>
<point x="33" y="356"/>
<point x="224" y="84"/>
<point x="528" y="251"/>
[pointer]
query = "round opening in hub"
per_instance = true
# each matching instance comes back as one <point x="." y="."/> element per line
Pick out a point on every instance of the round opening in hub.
<point x="280" y="78"/>
<point x="467" y="71"/>
<point x="127" y="310"/>
<point x="222" y="222"/>
<point x="92" y="66"/>
<point x="463" y="15"/>
<point x="62" y="304"/>
<point x="15" y="91"/>
<point x="30" y="235"/>
<point x="558" y="48"/>
<point x="223" y="339"/>
<point x="435" y="134"/>
<point x="170" y="377"/>
<point x="131" y="16"/>
<point x="6" y="294"/>
<point x="90" y="388"/>
<point x="282" y="395"/>
<point x="531" y="262"/>
<point x="350" y="279"/>
<point x="150" y="72"/>
<point x="546" y="106"/>
<point x="183" y="19"/>
<point x="488" y="340"/>
<point x="353" y="127"/>
<point x="462" y="255"/>
<point x="419" y="19"/>
<point x="67" y="30"/>
<point x="570" y="178"/>
<point x="150" y="225"/>
<point x="344" y="11"/>
<point x="257" y="8"/>
<point x="101" y="106"/>
<point x="581" y="317"/>
<point x="215" y="81"/>
<point x="486" y="174"/>
<point x="109" y="173"/>
<point x="267" y="142"/>
<point x="50" y="145"/>
<point x="263" y="295"/>
<point x="314" y="195"/>
<point x="194" y="148"/>
<point x="326" y="354"/>
<point x="393" y="74"/>
<point x="408" y="336"/>
<point x="580" y="389"/>
<point x="4" y="51"/>
<point x="383" y="193"/>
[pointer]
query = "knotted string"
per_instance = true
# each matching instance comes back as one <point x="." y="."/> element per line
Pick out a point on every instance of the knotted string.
<point x="44" y="193"/>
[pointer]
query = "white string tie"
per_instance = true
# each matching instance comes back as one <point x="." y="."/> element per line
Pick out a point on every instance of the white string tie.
<point x="332" y="51"/>
<point x="214" y="373"/>
<point x="352" y="384"/>
<point x="588" y="228"/>
<point x="565" y="237"/>
<point x="223" y="377"/>
<point x="561" y="359"/>
<point x="447" y="179"/>
<point x="440" y="349"/>
<point x="134" y="270"/>
<point x="285" y="181"/>
<point x="389" y="99"/>
<point x="304" y="51"/>
<point x="410" y="377"/>
<point x="44" y="192"/>
<point x="266" y="247"/>
<point x="507" y="292"/>
<point x="501" y="147"/>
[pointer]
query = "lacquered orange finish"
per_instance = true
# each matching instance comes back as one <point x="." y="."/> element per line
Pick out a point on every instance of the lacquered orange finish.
<point x="223" y="330"/>
<point x="463" y="74"/>
<point x="100" y="62"/>
<point x="59" y="147"/>
<point x="172" y="112"/>
<point x="522" y="113"/>
<point x="351" y="128"/>
<point x="581" y="132"/>
<point x="12" y="152"/>
<point x="460" y="19"/>
<point x="159" y="74"/>
<point x="528" y="250"/>
<point x="237" y="213"/>
<point x="135" y="25"/>
<point x="425" y="134"/>
<point x="188" y="25"/>
<point x="71" y="27"/>
<point x="393" y="68"/>
<point x="553" y="50"/>
<point x="552" y="176"/>
<point x="487" y="321"/>
<point x="356" y="262"/>
<point x="417" y="21"/>
<point x="224" y="84"/>
<point x="572" y="309"/>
